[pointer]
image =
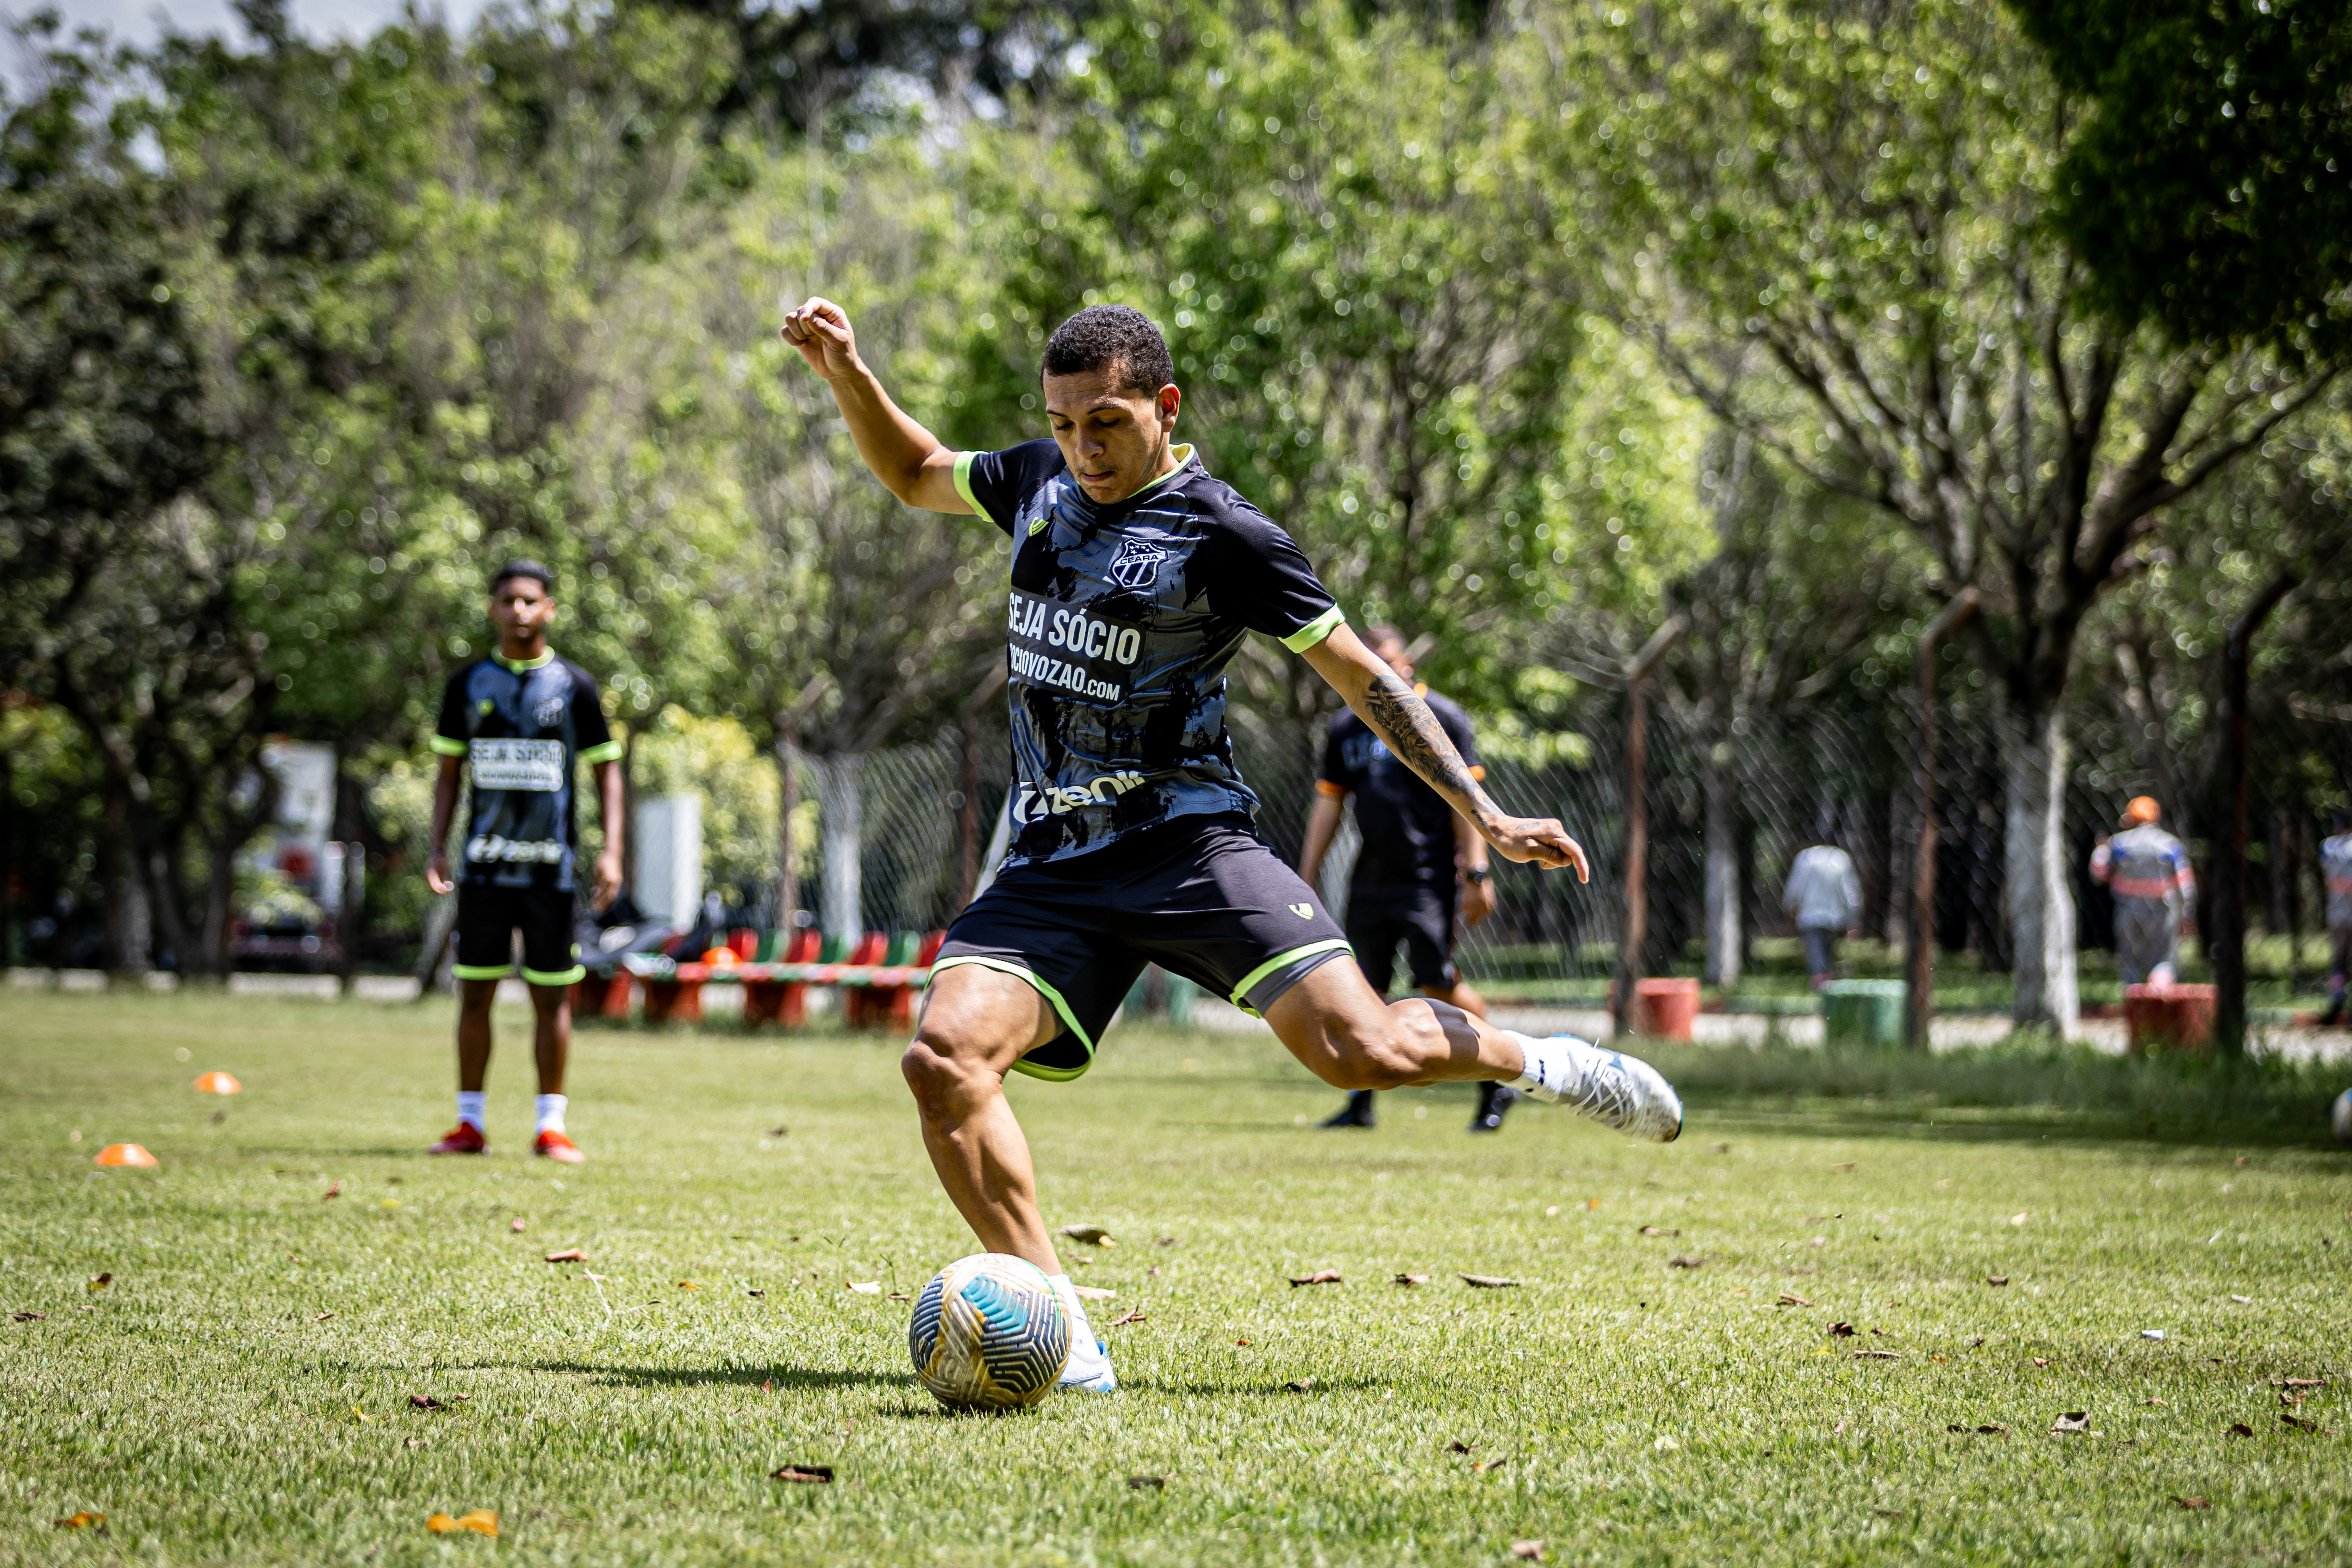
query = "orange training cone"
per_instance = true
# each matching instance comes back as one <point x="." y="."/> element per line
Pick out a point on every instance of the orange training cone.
<point x="125" y="1154"/>
<point x="218" y="1083"/>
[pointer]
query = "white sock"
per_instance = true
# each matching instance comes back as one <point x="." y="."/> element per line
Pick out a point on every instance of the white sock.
<point x="470" y="1102"/>
<point x="1531" y="1072"/>
<point x="1082" y="1333"/>
<point x="550" y="1113"/>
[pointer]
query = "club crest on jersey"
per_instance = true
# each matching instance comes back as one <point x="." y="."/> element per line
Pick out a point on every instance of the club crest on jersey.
<point x="549" y="713"/>
<point x="1135" y="565"/>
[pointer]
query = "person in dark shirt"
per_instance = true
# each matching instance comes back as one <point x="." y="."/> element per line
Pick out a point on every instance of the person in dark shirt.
<point x="519" y="722"/>
<point x="1135" y="574"/>
<point x="1419" y="860"/>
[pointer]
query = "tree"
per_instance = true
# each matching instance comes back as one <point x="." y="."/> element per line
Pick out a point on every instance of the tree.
<point x="1833" y="218"/>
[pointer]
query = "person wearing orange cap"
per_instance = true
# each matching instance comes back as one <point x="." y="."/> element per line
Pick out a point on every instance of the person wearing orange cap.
<point x="2147" y="868"/>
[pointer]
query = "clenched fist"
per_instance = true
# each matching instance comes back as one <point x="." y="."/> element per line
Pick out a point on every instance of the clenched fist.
<point x="820" y="331"/>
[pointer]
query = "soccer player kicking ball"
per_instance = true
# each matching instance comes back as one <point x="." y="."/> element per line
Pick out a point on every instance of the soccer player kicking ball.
<point x="519" y="722"/>
<point x="1135" y="576"/>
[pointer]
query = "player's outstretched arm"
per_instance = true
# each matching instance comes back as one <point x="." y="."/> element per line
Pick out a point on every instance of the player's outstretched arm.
<point x="1415" y="738"/>
<point x="910" y="461"/>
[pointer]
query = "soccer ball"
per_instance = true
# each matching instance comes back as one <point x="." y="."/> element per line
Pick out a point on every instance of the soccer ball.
<point x="988" y="1333"/>
<point x="2343" y="1117"/>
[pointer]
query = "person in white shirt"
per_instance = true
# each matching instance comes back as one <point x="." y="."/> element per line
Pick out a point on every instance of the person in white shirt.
<point x="1826" y="897"/>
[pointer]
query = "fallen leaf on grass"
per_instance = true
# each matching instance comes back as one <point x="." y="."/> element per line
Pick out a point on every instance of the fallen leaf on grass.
<point x="2191" y="1503"/>
<point x="86" y="1307"/>
<point x="2042" y="1361"/>
<point x="1841" y="1331"/>
<point x="1989" y="1431"/>
<point x="332" y="1193"/>
<point x="413" y="1443"/>
<point x="1303" y="1385"/>
<point x="1878" y="1355"/>
<point x="1887" y="1513"/>
<point x="1973" y="1340"/>
<point x="2241" y="1301"/>
<point x="1459" y="1447"/>
<point x="2017" y="1220"/>
<point x="1842" y="1166"/>
<point x="2303" y="1383"/>
<point x="815" y="1475"/>
<point x="1790" y="1298"/>
<point x="687" y="1285"/>
<point x="902" y="1295"/>
<point x="1653" y="1230"/>
<point x="1882" y="1333"/>
<point x="101" y="1283"/>
<point x="2239" y="1429"/>
<point x="1483" y="1465"/>
<point x="1320" y="1277"/>
<point x="2152" y="1335"/>
<point x="1146" y="1483"/>
<point x="360" y="1415"/>
<point x="516" y="1224"/>
<point x="2072" y="1424"/>
<point x="1094" y="1234"/>
<point x="863" y="1286"/>
<point x="1241" y="1344"/>
<point x="1533" y="1551"/>
<point x="756" y="1295"/>
<point x="1718" y="1148"/>
<point x="1164" y="1241"/>
<point x="1410" y="1279"/>
<point x="1135" y="1317"/>
<point x="2298" y="1422"/>
<point x="425" y="1402"/>
<point x="480" y="1521"/>
<point x="1488" y="1283"/>
<point x="28" y="1317"/>
<point x="2153" y="1400"/>
<point x="81" y="1521"/>
<point x="1093" y="1293"/>
<point x="569" y="1255"/>
<point x="1996" y="1279"/>
<point x="1686" y="1262"/>
<point x="775" y="1133"/>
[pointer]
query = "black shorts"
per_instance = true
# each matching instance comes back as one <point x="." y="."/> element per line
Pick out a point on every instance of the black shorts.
<point x="1421" y="917"/>
<point x="1200" y="897"/>
<point x="487" y="919"/>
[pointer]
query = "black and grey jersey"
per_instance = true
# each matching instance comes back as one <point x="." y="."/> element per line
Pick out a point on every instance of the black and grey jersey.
<point x="1121" y="619"/>
<point x="521" y="729"/>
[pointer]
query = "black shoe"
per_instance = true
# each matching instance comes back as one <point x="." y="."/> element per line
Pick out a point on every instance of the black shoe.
<point x="1357" y="1112"/>
<point x="2328" y="1019"/>
<point x="1494" y="1100"/>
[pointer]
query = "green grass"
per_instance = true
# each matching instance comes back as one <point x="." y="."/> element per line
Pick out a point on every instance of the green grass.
<point x="1638" y="1412"/>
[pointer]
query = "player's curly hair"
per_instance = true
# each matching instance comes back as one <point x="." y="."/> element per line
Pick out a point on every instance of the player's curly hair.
<point x="1119" y="338"/>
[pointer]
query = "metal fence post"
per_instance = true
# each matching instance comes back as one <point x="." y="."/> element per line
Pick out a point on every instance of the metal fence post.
<point x="1919" y="973"/>
<point x="2227" y="943"/>
<point x="1637" y="818"/>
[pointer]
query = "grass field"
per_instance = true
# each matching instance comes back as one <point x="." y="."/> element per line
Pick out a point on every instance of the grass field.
<point x="1616" y="1407"/>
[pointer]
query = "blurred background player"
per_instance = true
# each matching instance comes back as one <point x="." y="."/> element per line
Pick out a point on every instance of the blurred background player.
<point x="1419" y="859"/>
<point x="2335" y="865"/>
<point x="1824" y="896"/>
<point x="2147" y="868"/>
<point x="519" y="722"/>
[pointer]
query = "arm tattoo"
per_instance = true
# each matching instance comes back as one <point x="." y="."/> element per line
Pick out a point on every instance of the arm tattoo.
<point x="1415" y="738"/>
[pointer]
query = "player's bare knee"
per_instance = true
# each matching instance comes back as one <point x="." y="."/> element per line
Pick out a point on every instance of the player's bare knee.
<point x="945" y="1081"/>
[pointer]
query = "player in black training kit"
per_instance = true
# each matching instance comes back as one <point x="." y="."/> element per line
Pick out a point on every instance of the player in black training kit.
<point x="1135" y="576"/>
<point x="519" y="722"/>
<point x="1416" y="851"/>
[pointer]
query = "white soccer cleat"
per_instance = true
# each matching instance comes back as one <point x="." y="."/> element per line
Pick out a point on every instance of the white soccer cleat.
<point x="1088" y="1368"/>
<point x="1614" y="1089"/>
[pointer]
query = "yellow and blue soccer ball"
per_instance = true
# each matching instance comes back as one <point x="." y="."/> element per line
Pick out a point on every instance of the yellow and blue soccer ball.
<point x="988" y="1333"/>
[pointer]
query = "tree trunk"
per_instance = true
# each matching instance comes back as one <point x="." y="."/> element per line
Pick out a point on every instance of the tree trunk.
<point x="219" y="956"/>
<point x="128" y="935"/>
<point x="841" y="799"/>
<point x="2041" y="902"/>
<point x="1724" y="948"/>
<point x="788" y="861"/>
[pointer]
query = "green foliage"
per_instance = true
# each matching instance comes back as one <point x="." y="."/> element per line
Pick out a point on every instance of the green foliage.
<point x="2208" y="191"/>
<point x="716" y="758"/>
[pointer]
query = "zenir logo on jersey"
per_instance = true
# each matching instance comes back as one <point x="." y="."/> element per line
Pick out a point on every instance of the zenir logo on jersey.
<point x="550" y="713"/>
<point x="1135" y="565"/>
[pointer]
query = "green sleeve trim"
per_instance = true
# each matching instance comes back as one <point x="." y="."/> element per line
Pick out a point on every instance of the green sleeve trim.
<point x="1069" y="1019"/>
<point x="572" y="976"/>
<point x="963" y="485"/>
<point x="481" y="970"/>
<point x="1241" y="993"/>
<point x="1315" y="630"/>
<point x="444" y="746"/>
<point x="609" y="752"/>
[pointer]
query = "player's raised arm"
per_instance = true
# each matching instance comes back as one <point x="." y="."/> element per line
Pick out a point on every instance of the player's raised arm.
<point x="910" y="461"/>
<point x="1415" y="738"/>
